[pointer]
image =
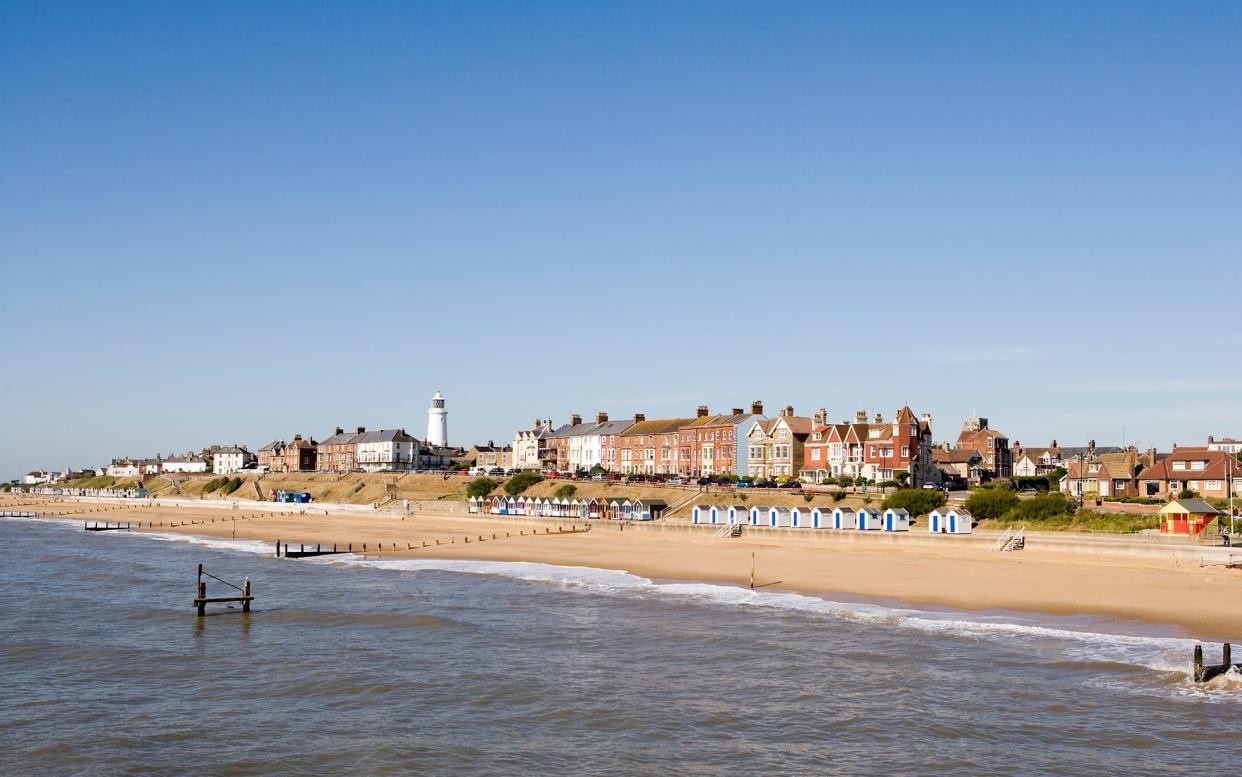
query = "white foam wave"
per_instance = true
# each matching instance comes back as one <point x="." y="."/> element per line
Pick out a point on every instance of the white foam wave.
<point x="217" y="543"/>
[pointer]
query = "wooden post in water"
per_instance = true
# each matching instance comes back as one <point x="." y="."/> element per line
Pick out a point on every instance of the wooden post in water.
<point x="752" y="572"/>
<point x="246" y="593"/>
<point x="202" y="593"/>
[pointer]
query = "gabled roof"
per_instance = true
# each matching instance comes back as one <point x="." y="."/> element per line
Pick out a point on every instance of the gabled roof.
<point x="273" y="445"/>
<point x="656" y="426"/>
<point x="1220" y="464"/>
<point x="1192" y="506"/>
<point x="386" y="435"/>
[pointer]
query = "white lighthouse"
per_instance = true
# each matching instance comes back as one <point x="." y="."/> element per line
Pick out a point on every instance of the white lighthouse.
<point x="437" y="422"/>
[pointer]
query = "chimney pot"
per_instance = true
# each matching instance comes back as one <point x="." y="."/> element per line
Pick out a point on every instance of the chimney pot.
<point x="361" y="429"/>
<point x="756" y="408"/>
<point x="737" y="411"/>
<point x="700" y="411"/>
<point x="339" y="430"/>
<point x="601" y="418"/>
<point x="639" y="418"/>
<point x="574" y="420"/>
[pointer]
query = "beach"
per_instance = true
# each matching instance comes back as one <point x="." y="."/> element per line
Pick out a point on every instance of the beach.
<point x="1177" y="591"/>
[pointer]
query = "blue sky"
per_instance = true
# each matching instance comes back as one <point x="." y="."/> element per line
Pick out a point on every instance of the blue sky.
<point x="232" y="222"/>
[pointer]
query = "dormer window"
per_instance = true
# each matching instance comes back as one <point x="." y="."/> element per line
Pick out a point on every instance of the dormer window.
<point x="1198" y="465"/>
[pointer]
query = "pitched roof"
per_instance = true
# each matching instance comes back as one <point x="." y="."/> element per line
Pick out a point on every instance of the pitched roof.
<point x="386" y="435"/>
<point x="655" y="426"/>
<point x="955" y="456"/>
<point x="1192" y="506"/>
<point x="1220" y="464"/>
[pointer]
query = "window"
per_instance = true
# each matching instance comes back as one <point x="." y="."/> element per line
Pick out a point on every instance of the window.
<point x="815" y="454"/>
<point x="1211" y="485"/>
<point x="1179" y="465"/>
<point x="905" y="451"/>
<point x="1198" y="465"/>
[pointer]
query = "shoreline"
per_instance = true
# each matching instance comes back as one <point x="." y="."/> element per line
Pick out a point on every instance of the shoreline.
<point x="1201" y="601"/>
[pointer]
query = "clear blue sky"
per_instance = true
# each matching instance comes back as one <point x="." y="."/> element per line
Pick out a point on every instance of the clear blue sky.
<point x="231" y="222"/>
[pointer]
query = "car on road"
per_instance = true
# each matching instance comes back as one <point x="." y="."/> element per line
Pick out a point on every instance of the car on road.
<point x="745" y="484"/>
<point x="791" y="484"/>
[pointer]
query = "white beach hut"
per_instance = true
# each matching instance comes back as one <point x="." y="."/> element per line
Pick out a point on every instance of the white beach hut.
<point x="949" y="520"/>
<point x="511" y="506"/>
<point x="869" y="519"/>
<point x="737" y="513"/>
<point x="701" y="514"/>
<point x="800" y="519"/>
<point x="474" y="504"/>
<point x="844" y="518"/>
<point x="780" y="516"/>
<point x="758" y="513"/>
<point x="717" y="514"/>
<point x="896" y="519"/>
<point x="517" y="506"/>
<point x="820" y="518"/>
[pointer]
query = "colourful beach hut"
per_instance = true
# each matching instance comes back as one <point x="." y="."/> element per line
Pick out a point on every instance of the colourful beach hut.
<point x="498" y="505"/>
<point x="594" y="508"/>
<point x="651" y="509"/>
<point x="1187" y="516"/>
<point x="737" y="513"/>
<point x="700" y="514"/>
<point x="869" y="519"/>
<point x="844" y="518"/>
<point x="949" y="520"/>
<point x="896" y="519"/>
<point x="511" y="506"/>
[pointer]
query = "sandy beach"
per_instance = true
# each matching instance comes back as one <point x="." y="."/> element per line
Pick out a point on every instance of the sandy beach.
<point x="1200" y="599"/>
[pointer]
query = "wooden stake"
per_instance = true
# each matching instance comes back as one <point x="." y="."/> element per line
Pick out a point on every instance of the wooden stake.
<point x="752" y="570"/>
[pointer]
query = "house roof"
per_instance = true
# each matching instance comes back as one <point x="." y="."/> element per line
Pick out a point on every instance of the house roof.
<point x="1192" y="506"/>
<point x="1220" y="465"/>
<point x="344" y="438"/>
<point x="386" y="435"/>
<point x="273" y="445"/>
<point x="656" y="426"/>
<point x="955" y="456"/>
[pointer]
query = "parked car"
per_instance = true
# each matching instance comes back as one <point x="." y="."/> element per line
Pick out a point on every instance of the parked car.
<point x="677" y="480"/>
<point x="634" y="478"/>
<point x="496" y="471"/>
<point x="766" y="484"/>
<point x="745" y="484"/>
<point x="511" y="472"/>
<point x="790" y="484"/>
<point x="612" y="476"/>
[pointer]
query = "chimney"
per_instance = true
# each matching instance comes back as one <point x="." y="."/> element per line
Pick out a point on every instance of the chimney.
<point x="361" y="429"/>
<point x="1054" y="443"/>
<point x="787" y="412"/>
<point x="879" y="418"/>
<point x="639" y="418"/>
<point x="1211" y="439"/>
<point x="700" y="411"/>
<point x="737" y="411"/>
<point x="575" y="419"/>
<point x="1151" y="456"/>
<point x="339" y="430"/>
<point x="860" y="417"/>
<point x="491" y="444"/>
<point x="821" y="416"/>
<point x="537" y="424"/>
<point x="601" y="418"/>
<point x="1090" y="445"/>
<point x="297" y="437"/>
<point x="756" y="408"/>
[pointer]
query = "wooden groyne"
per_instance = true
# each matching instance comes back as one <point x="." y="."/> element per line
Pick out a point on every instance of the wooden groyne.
<point x="202" y="599"/>
<point x="109" y="526"/>
<point x="316" y="550"/>
<point x="1206" y="672"/>
<point x="11" y="514"/>
<point x="285" y="550"/>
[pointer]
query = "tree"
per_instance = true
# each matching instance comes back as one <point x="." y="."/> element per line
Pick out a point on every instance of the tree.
<point x="566" y="491"/>
<point x="521" y="481"/>
<point x="480" y="487"/>
<point x="916" y="501"/>
<point x="903" y="477"/>
<point x="990" y="503"/>
<point x="598" y="470"/>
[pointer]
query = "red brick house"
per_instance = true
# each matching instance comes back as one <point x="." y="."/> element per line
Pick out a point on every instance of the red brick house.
<point x="1208" y="473"/>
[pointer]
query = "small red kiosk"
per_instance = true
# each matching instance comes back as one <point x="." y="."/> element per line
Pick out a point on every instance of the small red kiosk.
<point x="1186" y="516"/>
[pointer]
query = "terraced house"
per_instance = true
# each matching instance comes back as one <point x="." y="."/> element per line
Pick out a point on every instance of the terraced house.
<point x="339" y="453"/>
<point x="776" y="445"/>
<point x="716" y="444"/>
<point x="876" y="451"/>
<point x="650" y="447"/>
<point x="530" y="446"/>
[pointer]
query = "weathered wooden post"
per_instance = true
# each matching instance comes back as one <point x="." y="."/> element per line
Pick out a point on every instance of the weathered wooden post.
<point x="202" y="593"/>
<point x="1226" y="651"/>
<point x="1199" y="672"/>
<point x="246" y="593"/>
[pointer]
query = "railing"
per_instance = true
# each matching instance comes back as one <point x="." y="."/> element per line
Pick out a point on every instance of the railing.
<point x="1001" y="540"/>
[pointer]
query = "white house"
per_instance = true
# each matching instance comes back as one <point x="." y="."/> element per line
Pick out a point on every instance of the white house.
<point x="36" y="477"/>
<point x="187" y="463"/>
<point x="229" y="460"/>
<point x="388" y="450"/>
<point x="122" y="468"/>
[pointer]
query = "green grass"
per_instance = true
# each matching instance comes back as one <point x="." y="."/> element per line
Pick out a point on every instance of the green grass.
<point x="1084" y="521"/>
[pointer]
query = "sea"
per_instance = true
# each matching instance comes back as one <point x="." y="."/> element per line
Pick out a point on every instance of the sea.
<point x="348" y="665"/>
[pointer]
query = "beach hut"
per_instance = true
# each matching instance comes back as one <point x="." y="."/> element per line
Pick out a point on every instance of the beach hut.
<point x="780" y="516"/>
<point x="511" y="506"/>
<point x="650" y="509"/>
<point x="737" y="513"/>
<point x="474" y="504"/>
<point x="498" y="505"/>
<point x="869" y="519"/>
<point x="700" y="513"/>
<point x="616" y="509"/>
<point x="896" y="519"/>
<point x="594" y="508"/>
<point x="801" y="518"/>
<point x="844" y="518"/>
<point x="518" y="506"/>
<point x="758" y="513"/>
<point x="820" y="518"/>
<point x="717" y="514"/>
<point x="1186" y="516"/>
<point x="949" y="520"/>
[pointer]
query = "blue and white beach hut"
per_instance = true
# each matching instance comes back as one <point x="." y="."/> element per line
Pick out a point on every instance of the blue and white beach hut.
<point x="700" y="513"/>
<point x="844" y="518"/>
<point x="949" y="520"/>
<point x="779" y="516"/>
<point x="820" y="518"/>
<point x="500" y="505"/>
<point x="737" y="513"/>
<point x="511" y="506"/>
<point x="896" y="519"/>
<point x="801" y="519"/>
<point x="717" y="514"/>
<point x="758" y="513"/>
<point x="869" y="519"/>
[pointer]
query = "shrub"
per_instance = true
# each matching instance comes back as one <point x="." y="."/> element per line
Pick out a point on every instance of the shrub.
<point x="1037" y="482"/>
<point x="1187" y="494"/>
<point x="1042" y="508"/>
<point x="807" y="498"/>
<point x="742" y="497"/>
<point x="828" y="482"/>
<point x="521" y="481"/>
<point x="867" y="500"/>
<point x="480" y="487"/>
<point x="230" y="486"/>
<point x="889" y="484"/>
<point x="214" y="484"/>
<point x="903" y="478"/>
<point x="916" y="501"/>
<point x="990" y="503"/>
<point x="837" y="496"/>
<point x="598" y="470"/>
<point x="566" y="491"/>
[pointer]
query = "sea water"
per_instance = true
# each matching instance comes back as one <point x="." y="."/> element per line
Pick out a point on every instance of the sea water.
<point x="396" y="666"/>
